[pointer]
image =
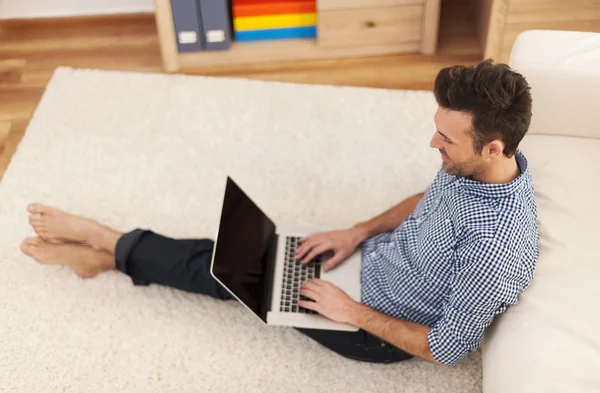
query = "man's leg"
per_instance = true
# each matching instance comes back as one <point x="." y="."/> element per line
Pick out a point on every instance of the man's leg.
<point x="143" y="255"/>
<point x="85" y="261"/>
<point x="359" y="345"/>
<point x="184" y="264"/>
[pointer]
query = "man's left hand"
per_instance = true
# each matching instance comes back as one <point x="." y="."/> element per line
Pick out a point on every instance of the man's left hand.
<point x="329" y="300"/>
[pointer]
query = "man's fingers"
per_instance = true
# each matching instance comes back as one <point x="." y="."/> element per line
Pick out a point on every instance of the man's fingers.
<point x="311" y="236"/>
<point x="302" y="250"/>
<point x="305" y="247"/>
<point x="309" y="305"/>
<point x="333" y="261"/>
<point x="319" y="249"/>
<point x="316" y="282"/>
<point x="309" y="239"/>
<point x="305" y="238"/>
<point x="313" y="284"/>
<point x="309" y="293"/>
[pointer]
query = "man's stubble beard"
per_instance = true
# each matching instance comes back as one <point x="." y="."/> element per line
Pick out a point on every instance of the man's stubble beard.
<point x="469" y="169"/>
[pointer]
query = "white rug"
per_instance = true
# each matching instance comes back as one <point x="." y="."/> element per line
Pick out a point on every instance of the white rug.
<point x="153" y="151"/>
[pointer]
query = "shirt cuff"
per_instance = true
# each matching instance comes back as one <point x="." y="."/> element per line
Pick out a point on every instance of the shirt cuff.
<point x="444" y="347"/>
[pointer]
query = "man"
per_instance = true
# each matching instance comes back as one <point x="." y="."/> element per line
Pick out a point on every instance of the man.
<point x="436" y="268"/>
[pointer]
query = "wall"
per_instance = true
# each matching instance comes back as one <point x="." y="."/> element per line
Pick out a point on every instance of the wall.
<point x="11" y="9"/>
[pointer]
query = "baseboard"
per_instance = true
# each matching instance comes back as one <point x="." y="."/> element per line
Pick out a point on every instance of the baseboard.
<point x="73" y="12"/>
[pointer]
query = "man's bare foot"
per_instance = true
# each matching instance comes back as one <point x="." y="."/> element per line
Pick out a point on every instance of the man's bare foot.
<point x="85" y="261"/>
<point x="53" y="224"/>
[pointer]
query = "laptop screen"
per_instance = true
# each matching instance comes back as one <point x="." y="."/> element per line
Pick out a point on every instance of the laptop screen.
<point x="244" y="244"/>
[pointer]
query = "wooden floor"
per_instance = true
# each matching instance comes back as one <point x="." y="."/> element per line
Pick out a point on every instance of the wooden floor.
<point x="30" y="50"/>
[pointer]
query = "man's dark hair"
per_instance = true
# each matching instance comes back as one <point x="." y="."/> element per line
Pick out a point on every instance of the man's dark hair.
<point x="498" y="98"/>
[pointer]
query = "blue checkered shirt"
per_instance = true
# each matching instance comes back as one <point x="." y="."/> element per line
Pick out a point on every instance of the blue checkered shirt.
<point x="462" y="257"/>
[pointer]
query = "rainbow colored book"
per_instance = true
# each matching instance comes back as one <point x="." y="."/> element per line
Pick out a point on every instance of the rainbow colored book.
<point x="243" y="8"/>
<point x="276" y="34"/>
<point x="274" y="21"/>
<point x="256" y="20"/>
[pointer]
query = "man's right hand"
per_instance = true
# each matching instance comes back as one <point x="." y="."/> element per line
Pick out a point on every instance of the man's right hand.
<point x="342" y="243"/>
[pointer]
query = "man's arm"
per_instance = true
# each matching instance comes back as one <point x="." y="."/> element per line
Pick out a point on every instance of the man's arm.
<point x="390" y="219"/>
<point x="484" y="288"/>
<point x="344" y="242"/>
<point x="333" y="303"/>
<point x="408" y="336"/>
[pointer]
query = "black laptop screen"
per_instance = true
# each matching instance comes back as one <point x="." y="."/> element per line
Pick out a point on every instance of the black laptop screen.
<point x="243" y="243"/>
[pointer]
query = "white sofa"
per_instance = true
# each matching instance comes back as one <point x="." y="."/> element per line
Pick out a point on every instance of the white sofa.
<point x="550" y="341"/>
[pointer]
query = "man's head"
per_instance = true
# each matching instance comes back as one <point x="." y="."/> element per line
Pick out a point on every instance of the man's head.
<point x="483" y="113"/>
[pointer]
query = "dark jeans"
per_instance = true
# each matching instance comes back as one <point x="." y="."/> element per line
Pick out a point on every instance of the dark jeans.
<point x="184" y="264"/>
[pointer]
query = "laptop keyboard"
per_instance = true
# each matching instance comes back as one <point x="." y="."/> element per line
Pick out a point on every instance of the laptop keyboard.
<point x="294" y="275"/>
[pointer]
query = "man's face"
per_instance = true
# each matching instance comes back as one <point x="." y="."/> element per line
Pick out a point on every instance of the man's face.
<point x="455" y="143"/>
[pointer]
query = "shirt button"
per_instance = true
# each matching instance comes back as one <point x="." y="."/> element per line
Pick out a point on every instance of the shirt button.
<point x="447" y="221"/>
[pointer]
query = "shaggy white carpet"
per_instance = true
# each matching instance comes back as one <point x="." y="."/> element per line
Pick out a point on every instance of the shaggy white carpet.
<point x="153" y="151"/>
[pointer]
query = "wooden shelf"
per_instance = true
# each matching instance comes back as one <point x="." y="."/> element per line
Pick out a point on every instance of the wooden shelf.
<point x="285" y="50"/>
<point x="395" y="29"/>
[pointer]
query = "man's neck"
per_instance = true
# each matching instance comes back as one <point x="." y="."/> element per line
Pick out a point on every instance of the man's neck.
<point x="502" y="172"/>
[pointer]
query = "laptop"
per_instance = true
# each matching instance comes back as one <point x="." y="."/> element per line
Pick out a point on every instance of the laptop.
<point x="254" y="260"/>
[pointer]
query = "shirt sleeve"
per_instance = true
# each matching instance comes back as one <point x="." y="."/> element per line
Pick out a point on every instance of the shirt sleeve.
<point x="488" y="280"/>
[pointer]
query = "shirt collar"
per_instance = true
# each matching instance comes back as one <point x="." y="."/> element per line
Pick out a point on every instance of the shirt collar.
<point x="498" y="190"/>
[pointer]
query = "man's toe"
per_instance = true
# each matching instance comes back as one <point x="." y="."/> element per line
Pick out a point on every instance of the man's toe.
<point x="27" y="247"/>
<point x="37" y="208"/>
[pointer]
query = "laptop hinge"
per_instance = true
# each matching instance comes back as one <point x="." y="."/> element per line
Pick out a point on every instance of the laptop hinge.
<point x="270" y="256"/>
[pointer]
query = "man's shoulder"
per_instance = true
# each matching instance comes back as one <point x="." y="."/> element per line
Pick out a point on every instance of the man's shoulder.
<point x="507" y="233"/>
<point x="472" y="212"/>
<point x="488" y="219"/>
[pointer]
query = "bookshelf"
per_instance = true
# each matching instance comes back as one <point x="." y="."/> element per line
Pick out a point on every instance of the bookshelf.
<point x="345" y="28"/>
<point x="499" y="22"/>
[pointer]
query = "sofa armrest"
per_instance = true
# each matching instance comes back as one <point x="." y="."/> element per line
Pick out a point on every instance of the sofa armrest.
<point x="563" y="69"/>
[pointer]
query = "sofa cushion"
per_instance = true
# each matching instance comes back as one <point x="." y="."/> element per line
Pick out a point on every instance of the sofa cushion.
<point x="563" y="69"/>
<point x="549" y="342"/>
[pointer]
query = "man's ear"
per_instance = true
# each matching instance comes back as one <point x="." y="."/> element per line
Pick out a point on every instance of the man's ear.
<point x="494" y="149"/>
